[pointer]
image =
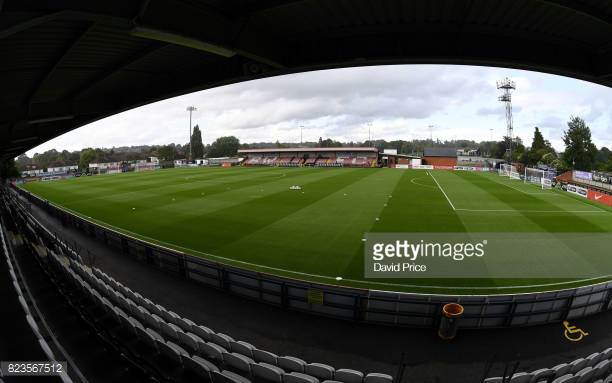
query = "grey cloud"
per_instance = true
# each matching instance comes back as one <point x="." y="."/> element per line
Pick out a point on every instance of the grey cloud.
<point x="339" y="103"/>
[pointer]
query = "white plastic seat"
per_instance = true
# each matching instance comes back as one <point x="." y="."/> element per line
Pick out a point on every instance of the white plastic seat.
<point x="298" y="377"/>
<point x="136" y="323"/>
<point x="171" y="317"/>
<point x="593" y="359"/>
<point x="158" y="310"/>
<point x="148" y="304"/>
<point x="199" y="366"/>
<point x="543" y="374"/>
<point x="167" y="330"/>
<point x="291" y="363"/>
<point x="190" y="341"/>
<point x="237" y="363"/>
<point x="569" y="378"/>
<point x="221" y="339"/>
<point x="601" y="369"/>
<point x="320" y="371"/>
<point x="378" y="378"/>
<point x="561" y="369"/>
<point x="150" y="321"/>
<point x="212" y="351"/>
<point x="228" y="377"/>
<point x="348" y="376"/>
<point x="203" y="332"/>
<point x="267" y="372"/>
<point x="154" y="334"/>
<point x="578" y="365"/>
<point x="265" y="357"/>
<point x="585" y="375"/>
<point x="242" y="348"/>
<point x="186" y="324"/>
<point x="142" y="313"/>
<point x="521" y="377"/>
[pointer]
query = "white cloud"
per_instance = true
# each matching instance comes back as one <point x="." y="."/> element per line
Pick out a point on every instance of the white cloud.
<point x="400" y="101"/>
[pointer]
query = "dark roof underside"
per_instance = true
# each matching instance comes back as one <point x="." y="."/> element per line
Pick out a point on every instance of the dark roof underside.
<point x="68" y="63"/>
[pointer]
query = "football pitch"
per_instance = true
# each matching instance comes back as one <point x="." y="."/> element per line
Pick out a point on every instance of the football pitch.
<point x="249" y="217"/>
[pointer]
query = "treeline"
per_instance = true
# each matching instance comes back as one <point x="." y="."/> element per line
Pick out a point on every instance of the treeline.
<point x="580" y="153"/>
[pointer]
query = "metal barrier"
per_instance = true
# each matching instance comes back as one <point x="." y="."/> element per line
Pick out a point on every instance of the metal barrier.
<point x="382" y="307"/>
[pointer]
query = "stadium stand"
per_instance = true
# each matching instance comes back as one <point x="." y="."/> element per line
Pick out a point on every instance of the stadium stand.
<point x="182" y="346"/>
<point x="595" y="368"/>
<point x="318" y="157"/>
<point x="39" y="329"/>
<point x="174" y="345"/>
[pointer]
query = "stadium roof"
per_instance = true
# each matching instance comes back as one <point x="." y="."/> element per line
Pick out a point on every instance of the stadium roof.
<point x="440" y="152"/>
<point x="66" y="63"/>
<point x="294" y="150"/>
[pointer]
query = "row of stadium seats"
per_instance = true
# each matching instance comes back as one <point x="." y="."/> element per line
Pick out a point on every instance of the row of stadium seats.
<point x="595" y="368"/>
<point x="29" y="315"/>
<point x="313" y="161"/>
<point x="214" y="356"/>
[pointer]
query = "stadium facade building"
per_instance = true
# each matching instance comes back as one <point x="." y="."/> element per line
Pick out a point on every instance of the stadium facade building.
<point x="322" y="157"/>
<point x="390" y="158"/>
<point x="440" y="158"/>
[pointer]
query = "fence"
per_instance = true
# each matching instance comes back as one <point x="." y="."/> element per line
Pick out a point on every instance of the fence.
<point x="389" y="308"/>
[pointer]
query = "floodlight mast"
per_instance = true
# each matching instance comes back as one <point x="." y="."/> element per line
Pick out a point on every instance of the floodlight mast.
<point x="506" y="86"/>
<point x="190" y="109"/>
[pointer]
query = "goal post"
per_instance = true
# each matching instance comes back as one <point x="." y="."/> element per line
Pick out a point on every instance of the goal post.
<point x="508" y="170"/>
<point x="539" y="177"/>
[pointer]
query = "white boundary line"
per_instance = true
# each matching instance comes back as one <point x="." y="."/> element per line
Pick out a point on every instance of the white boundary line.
<point x="537" y="211"/>
<point x="442" y="190"/>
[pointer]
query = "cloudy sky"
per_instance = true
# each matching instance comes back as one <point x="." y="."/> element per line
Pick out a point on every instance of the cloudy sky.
<point x="400" y="102"/>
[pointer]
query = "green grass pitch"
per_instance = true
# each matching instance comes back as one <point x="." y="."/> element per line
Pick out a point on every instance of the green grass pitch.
<point x="248" y="217"/>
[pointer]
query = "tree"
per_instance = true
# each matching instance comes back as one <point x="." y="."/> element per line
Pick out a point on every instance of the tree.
<point x="22" y="162"/>
<point x="580" y="151"/>
<point x="603" y="159"/>
<point x="539" y="148"/>
<point x="500" y="150"/>
<point x="224" y="147"/>
<point x="87" y="156"/>
<point x="538" y="140"/>
<point x="167" y="153"/>
<point x="197" y="150"/>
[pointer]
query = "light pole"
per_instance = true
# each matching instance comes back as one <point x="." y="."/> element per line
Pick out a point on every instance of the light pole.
<point x="370" y="133"/>
<point x="190" y="109"/>
<point x="301" y="127"/>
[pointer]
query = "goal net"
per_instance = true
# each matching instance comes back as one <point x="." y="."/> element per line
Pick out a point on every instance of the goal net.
<point x="539" y="177"/>
<point x="508" y="170"/>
